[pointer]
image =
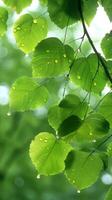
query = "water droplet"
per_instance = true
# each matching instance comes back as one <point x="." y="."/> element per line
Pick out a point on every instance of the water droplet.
<point x="9" y="114"/>
<point x="70" y="61"/>
<point x="64" y="55"/>
<point x="95" y="84"/>
<point x="78" y="77"/>
<point x="35" y="21"/>
<point x="41" y="139"/>
<point x="78" y="191"/>
<point x="47" y="50"/>
<point x="38" y="176"/>
<point x="48" y="63"/>
<point x="90" y="133"/>
<point x="94" y="141"/>
<point x="45" y="140"/>
<point x="73" y="181"/>
<point x="56" y="61"/>
<point x="22" y="45"/>
<point x="18" y="28"/>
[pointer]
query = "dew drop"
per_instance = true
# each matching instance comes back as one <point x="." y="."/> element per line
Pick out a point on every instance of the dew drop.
<point x="48" y="63"/>
<point x="9" y="114"/>
<point x="47" y="50"/>
<point x="79" y="77"/>
<point x="94" y="141"/>
<point x="35" y="21"/>
<point x="45" y="140"/>
<point x="64" y="55"/>
<point x="38" y="176"/>
<point x="95" y="84"/>
<point x="91" y="133"/>
<point x="56" y="61"/>
<point x="41" y="139"/>
<point x="18" y="28"/>
<point x="78" y="191"/>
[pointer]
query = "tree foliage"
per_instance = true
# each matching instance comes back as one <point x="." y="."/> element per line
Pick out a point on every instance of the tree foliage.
<point x="76" y="123"/>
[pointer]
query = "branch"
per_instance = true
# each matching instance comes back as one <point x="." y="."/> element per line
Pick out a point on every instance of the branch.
<point x="92" y="45"/>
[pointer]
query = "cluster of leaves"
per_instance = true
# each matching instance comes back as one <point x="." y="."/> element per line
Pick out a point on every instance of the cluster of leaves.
<point x="76" y="122"/>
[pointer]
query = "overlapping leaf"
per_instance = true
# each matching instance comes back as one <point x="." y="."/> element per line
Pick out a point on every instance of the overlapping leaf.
<point x="27" y="94"/>
<point x="29" y="32"/>
<point x="63" y="12"/>
<point x="107" y="4"/>
<point x="87" y="73"/>
<point x="51" y="58"/>
<point x="48" y="154"/>
<point x="78" y="165"/>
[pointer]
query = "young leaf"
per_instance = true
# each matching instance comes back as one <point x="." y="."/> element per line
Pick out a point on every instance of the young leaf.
<point x="78" y="165"/>
<point x="87" y="73"/>
<point x="27" y="94"/>
<point x="50" y="58"/>
<point x="29" y="32"/>
<point x="63" y="12"/>
<point x="107" y="4"/>
<point x="3" y="21"/>
<point x="48" y="154"/>
<point x="17" y="5"/>
<point x="109" y="194"/>
<point x="88" y="10"/>
<point x="105" y="108"/>
<point x="106" y="45"/>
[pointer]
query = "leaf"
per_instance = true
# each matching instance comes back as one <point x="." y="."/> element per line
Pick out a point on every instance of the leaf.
<point x="105" y="108"/>
<point x="48" y="154"/>
<point x="50" y="58"/>
<point x="29" y="31"/>
<point x="69" y="125"/>
<point x="87" y="73"/>
<point x="63" y="12"/>
<point x="27" y="94"/>
<point x="70" y="105"/>
<point x="109" y="194"/>
<point x="3" y="21"/>
<point x="88" y="10"/>
<point x="98" y="125"/>
<point x="17" y="5"/>
<point x="78" y="165"/>
<point x="107" y="4"/>
<point x="106" y="45"/>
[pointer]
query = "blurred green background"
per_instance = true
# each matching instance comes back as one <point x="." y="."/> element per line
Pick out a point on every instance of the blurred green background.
<point x="18" y="178"/>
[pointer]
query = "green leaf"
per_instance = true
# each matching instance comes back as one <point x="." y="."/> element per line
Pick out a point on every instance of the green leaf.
<point x="98" y="125"/>
<point x="17" y="5"/>
<point x="51" y="58"/>
<point x="48" y="154"/>
<point x="109" y="194"/>
<point x="105" y="108"/>
<point x="27" y="94"/>
<point x="89" y="10"/>
<point x="3" y="21"/>
<point x="63" y="12"/>
<point x="70" y="105"/>
<point x="78" y="166"/>
<point x="29" y="31"/>
<point x="106" y="45"/>
<point x="69" y="125"/>
<point x="107" y="4"/>
<point x="87" y="73"/>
